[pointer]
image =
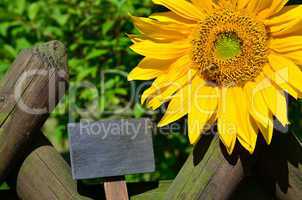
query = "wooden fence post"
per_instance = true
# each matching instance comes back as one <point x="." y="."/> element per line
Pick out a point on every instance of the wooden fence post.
<point x="209" y="173"/>
<point x="29" y="91"/>
<point x="45" y="175"/>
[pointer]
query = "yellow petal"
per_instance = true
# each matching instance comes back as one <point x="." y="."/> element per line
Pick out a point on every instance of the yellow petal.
<point x="206" y="5"/>
<point x="246" y="129"/>
<point x="225" y="3"/>
<point x="167" y="93"/>
<point x="178" y="69"/>
<point x="276" y="102"/>
<point x="267" y="131"/>
<point x="135" y="38"/>
<point x="295" y="56"/>
<point x="180" y="103"/>
<point x="279" y="81"/>
<point x="144" y="74"/>
<point x="155" y="88"/>
<point x="227" y="119"/>
<point x="182" y="8"/>
<point x="242" y="3"/>
<point x="258" y="5"/>
<point x="289" y="13"/>
<point x="276" y="6"/>
<point x="287" y="69"/>
<point x="286" y="44"/>
<point x="162" y="51"/>
<point x="171" y="17"/>
<point x="291" y="28"/>
<point x="288" y="23"/>
<point x="259" y="110"/>
<point x="160" y="31"/>
<point x="203" y="107"/>
<point x="149" y="68"/>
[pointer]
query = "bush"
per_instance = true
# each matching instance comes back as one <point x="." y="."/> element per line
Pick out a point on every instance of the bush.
<point x="94" y="32"/>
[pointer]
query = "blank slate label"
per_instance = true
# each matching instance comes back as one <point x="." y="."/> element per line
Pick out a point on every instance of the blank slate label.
<point x="111" y="148"/>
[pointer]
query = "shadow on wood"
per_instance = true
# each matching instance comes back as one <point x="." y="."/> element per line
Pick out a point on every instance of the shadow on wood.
<point x="209" y="172"/>
<point x="281" y="164"/>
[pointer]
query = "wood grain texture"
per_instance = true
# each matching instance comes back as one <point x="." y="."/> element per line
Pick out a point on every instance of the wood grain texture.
<point x="44" y="175"/>
<point x="35" y="82"/>
<point x="116" y="189"/>
<point x="111" y="148"/>
<point x="157" y="193"/>
<point x="207" y="174"/>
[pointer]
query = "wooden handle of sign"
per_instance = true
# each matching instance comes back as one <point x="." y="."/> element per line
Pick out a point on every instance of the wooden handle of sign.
<point x="116" y="189"/>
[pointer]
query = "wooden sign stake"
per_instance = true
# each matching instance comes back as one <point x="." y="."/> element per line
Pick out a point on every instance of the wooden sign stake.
<point x="116" y="188"/>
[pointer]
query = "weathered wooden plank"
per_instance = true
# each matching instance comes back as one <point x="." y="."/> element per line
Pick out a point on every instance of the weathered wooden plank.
<point x="215" y="175"/>
<point x="29" y="91"/>
<point x="208" y="173"/>
<point x="157" y="193"/>
<point x="45" y="175"/>
<point x="111" y="148"/>
<point x="116" y="189"/>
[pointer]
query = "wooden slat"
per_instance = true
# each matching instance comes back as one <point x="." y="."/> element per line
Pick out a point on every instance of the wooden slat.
<point x="207" y="174"/>
<point x="45" y="175"/>
<point x="157" y="193"/>
<point x="17" y="125"/>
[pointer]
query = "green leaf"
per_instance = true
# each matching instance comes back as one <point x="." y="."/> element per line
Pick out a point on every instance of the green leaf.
<point x="33" y="10"/>
<point x="95" y="53"/>
<point x="53" y="32"/>
<point x="62" y="19"/>
<point x="107" y="26"/>
<point x="20" y="6"/>
<point x="4" y="186"/>
<point x="138" y="111"/>
<point x="4" y="27"/>
<point x="22" y="43"/>
<point x="3" y="67"/>
<point x="10" y="50"/>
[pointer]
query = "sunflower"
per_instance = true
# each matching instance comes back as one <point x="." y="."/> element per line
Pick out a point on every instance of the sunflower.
<point x="225" y="61"/>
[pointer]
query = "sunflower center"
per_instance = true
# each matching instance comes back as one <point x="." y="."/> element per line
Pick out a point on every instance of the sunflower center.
<point x="229" y="48"/>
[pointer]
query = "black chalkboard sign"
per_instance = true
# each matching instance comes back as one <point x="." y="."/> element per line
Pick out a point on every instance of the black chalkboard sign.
<point x="111" y="148"/>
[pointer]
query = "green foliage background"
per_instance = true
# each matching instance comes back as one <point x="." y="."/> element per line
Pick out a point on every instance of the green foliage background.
<point x="94" y="32"/>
